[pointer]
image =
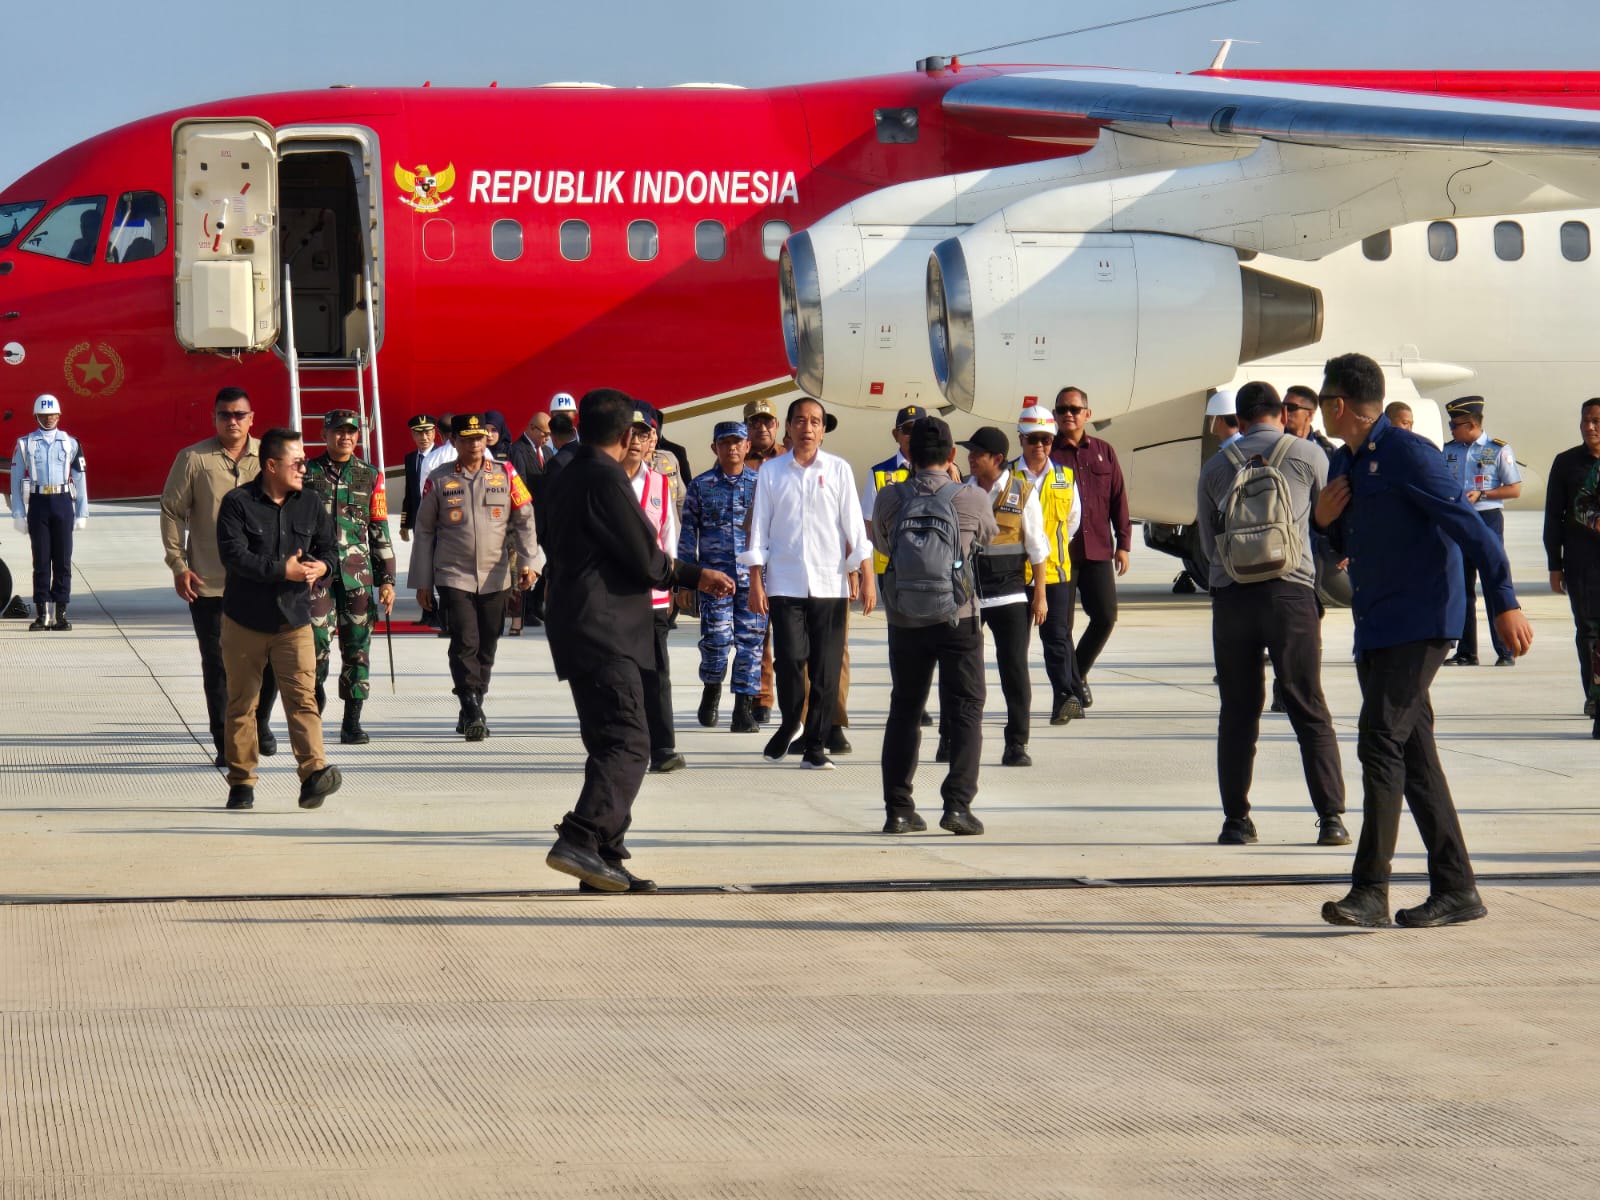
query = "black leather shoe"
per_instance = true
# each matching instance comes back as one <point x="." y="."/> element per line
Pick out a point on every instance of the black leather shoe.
<point x="1443" y="908"/>
<point x="266" y="743"/>
<point x="318" y="786"/>
<point x="221" y="760"/>
<point x="961" y="823"/>
<point x="636" y="886"/>
<point x="62" y="625"/>
<point x="1462" y="660"/>
<point x="37" y="624"/>
<point x="475" y="726"/>
<point x="1589" y="709"/>
<point x="1505" y="660"/>
<point x="910" y="822"/>
<point x="1331" y="831"/>
<point x="1085" y="695"/>
<point x="710" y="698"/>
<point x="942" y="754"/>
<point x="837" y="743"/>
<point x="1366" y="907"/>
<point x="587" y="866"/>
<point x="350" y="731"/>
<point x="1237" y="831"/>
<point x="925" y="720"/>
<point x="778" y="745"/>
<point x="761" y="712"/>
<point x="1016" y="755"/>
<point x="667" y="762"/>
<point x="240" y="796"/>
<point x="744" y="720"/>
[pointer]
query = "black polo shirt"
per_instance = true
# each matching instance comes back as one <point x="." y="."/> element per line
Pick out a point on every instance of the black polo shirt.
<point x="256" y="538"/>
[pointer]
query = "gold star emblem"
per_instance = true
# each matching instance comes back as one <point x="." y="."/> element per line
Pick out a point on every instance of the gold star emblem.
<point x="93" y="369"/>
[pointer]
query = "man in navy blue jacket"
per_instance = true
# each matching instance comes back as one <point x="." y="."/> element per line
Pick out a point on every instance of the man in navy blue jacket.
<point x="1393" y="508"/>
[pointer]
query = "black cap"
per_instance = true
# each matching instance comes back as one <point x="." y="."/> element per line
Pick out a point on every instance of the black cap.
<point x="421" y="421"/>
<point x="987" y="440"/>
<point x="1467" y="406"/>
<point x="469" y="425"/>
<point x="929" y="435"/>
<point x="911" y="412"/>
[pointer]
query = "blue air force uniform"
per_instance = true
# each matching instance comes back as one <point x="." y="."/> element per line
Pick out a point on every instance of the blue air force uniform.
<point x="1480" y="466"/>
<point x="715" y="531"/>
<point x="48" y="497"/>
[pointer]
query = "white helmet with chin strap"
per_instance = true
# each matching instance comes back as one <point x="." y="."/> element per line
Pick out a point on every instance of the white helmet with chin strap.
<point x="46" y="405"/>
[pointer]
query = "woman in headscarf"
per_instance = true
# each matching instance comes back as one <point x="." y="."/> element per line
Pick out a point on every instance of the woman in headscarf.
<point x="500" y="448"/>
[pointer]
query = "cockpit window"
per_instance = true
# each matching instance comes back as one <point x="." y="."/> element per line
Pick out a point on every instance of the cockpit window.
<point x="14" y="217"/>
<point x="70" y="230"/>
<point x="138" y="227"/>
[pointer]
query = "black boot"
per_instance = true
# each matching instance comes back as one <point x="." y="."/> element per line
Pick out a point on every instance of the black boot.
<point x="477" y="725"/>
<point x="744" y="718"/>
<point x="761" y="712"/>
<point x="709" y="700"/>
<point x="41" y="619"/>
<point x="351" y="733"/>
<point x="62" y="624"/>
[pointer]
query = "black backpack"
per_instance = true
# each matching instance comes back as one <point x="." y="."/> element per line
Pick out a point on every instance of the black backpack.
<point x="928" y="579"/>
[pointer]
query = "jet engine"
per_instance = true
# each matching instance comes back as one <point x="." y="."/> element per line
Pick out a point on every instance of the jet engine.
<point x="1133" y="319"/>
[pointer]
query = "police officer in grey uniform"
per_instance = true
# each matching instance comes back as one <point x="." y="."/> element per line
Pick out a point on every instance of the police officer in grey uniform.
<point x="474" y="516"/>
<point x="49" y="499"/>
<point x="1489" y="477"/>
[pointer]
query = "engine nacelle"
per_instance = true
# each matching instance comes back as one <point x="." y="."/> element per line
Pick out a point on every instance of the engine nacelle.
<point x="1133" y="319"/>
<point x="854" y="314"/>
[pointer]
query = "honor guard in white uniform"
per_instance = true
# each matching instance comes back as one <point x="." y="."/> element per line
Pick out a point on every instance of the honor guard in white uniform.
<point x="49" y="499"/>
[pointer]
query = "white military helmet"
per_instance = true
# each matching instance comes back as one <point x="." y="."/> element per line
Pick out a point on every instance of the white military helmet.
<point x="1036" y="418"/>
<point x="563" y="402"/>
<point x="46" y="406"/>
<point x="1224" y="403"/>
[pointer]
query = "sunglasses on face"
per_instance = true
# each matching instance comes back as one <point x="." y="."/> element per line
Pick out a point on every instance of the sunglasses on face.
<point x="1071" y="410"/>
<point x="1038" y="439"/>
<point x="906" y="428"/>
<point x="291" y="464"/>
<point x="233" y="415"/>
<point x="1297" y="408"/>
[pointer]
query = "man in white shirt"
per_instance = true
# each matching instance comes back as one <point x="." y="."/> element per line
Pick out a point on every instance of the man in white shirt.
<point x="806" y="552"/>
<point x="653" y="490"/>
<point x="1008" y="603"/>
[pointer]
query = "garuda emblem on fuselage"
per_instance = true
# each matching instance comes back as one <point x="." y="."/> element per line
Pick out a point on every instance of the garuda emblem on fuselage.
<point x="424" y="190"/>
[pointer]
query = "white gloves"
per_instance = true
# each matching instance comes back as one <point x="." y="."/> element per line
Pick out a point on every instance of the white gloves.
<point x="81" y="523"/>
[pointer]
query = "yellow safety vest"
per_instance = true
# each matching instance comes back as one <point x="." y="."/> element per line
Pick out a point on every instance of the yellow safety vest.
<point x="1056" y="497"/>
<point x="883" y="475"/>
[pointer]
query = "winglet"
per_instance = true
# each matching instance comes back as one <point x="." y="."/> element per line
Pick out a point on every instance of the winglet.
<point x="1223" y="46"/>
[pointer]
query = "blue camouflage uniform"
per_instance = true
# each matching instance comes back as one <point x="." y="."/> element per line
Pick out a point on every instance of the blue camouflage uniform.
<point x="715" y="531"/>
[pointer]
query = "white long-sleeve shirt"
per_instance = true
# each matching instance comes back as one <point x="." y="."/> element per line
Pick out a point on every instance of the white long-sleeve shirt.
<point x="806" y="529"/>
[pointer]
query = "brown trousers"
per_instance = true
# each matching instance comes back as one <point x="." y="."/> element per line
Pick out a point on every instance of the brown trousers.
<point x="769" y="695"/>
<point x="293" y="655"/>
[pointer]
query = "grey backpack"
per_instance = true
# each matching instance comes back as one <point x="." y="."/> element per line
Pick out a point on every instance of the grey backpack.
<point x="928" y="579"/>
<point x="1257" y="537"/>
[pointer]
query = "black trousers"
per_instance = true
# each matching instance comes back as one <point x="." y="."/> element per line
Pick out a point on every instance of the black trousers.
<point x="474" y="620"/>
<point x="1096" y="583"/>
<point x="957" y="651"/>
<point x="533" y="601"/>
<point x="1281" y="618"/>
<point x="1586" y="620"/>
<point x="658" y="692"/>
<point x="1495" y="519"/>
<point x="808" y="642"/>
<point x="1009" y="625"/>
<point x="1398" y="758"/>
<point x="616" y="737"/>
<point x="50" y="521"/>
<point x="1055" y="636"/>
<point x="205" y="614"/>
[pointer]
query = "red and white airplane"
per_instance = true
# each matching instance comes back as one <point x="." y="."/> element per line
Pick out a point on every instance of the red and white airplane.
<point x="966" y="237"/>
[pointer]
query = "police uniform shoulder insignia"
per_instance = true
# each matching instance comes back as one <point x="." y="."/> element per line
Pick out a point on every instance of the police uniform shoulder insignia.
<point x="1497" y="442"/>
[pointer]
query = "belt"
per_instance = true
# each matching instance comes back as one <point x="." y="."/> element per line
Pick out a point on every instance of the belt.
<point x="51" y="489"/>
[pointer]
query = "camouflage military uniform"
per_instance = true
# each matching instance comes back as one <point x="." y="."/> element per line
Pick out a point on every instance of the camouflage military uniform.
<point x="716" y="511"/>
<point x="353" y="495"/>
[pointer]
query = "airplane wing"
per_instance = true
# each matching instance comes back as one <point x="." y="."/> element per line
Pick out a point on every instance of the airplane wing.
<point x="1212" y="110"/>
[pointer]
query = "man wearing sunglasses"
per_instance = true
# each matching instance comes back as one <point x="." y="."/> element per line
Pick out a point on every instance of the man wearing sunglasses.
<point x="1394" y="508"/>
<point x="275" y="540"/>
<point x="1103" y="499"/>
<point x="200" y="477"/>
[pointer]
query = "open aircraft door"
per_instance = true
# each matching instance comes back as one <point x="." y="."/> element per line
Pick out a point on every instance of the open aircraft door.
<point x="225" y="234"/>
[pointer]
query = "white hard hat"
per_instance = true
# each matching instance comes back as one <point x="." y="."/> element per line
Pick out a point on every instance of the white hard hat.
<point x="45" y="405"/>
<point x="1224" y="403"/>
<point x="1036" y="418"/>
<point x="563" y="402"/>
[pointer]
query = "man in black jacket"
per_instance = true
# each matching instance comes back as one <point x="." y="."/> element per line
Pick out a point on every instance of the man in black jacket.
<point x="1573" y="550"/>
<point x="275" y="541"/>
<point x="603" y="562"/>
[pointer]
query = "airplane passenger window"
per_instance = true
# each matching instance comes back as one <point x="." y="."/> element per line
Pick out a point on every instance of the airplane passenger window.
<point x="70" y="231"/>
<point x="710" y="241"/>
<point x="138" y="227"/>
<point x="1379" y="246"/>
<point x="1574" y="241"/>
<point x="13" y="217"/>
<point x="1508" y="241"/>
<point x="438" y="240"/>
<point x="773" y="235"/>
<point x="574" y="240"/>
<point x="644" y="243"/>
<point x="1442" y="241"/>
<point x="506" y="240"/>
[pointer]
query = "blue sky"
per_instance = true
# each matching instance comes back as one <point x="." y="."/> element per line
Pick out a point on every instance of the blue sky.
<point x="118" y="61"/>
